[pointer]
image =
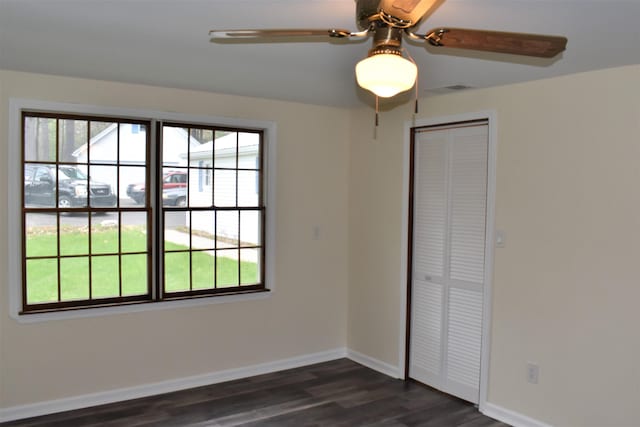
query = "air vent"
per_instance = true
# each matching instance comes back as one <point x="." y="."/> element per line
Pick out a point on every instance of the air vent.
<point x="449" y="89"/>
<point x="458" y="87"/>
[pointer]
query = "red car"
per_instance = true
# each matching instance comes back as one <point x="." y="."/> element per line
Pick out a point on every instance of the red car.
<point x="173" y="179"/>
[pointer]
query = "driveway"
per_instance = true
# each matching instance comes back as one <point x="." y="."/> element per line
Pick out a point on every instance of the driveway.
<point x="47" y="219"/>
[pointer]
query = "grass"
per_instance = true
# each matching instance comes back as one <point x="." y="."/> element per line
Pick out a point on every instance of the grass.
<point x="107" y="266"/>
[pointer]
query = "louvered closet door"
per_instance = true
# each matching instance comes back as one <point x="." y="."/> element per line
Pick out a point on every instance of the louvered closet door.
<point x="449" y="219"/>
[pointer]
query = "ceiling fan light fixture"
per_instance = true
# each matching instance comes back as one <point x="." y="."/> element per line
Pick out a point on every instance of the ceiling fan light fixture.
<point x="386" y="73"/>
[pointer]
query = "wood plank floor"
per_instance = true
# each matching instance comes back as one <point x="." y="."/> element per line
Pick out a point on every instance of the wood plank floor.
<point x="336" y="393"/>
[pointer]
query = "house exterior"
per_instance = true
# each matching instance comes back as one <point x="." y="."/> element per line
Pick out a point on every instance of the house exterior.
<point x="212" y="176"/>
<point x="130" y="154"/>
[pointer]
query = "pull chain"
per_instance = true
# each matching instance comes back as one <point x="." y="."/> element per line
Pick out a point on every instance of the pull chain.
<point x="416" y="94"/>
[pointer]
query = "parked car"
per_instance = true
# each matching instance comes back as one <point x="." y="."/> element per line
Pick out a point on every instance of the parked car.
<point x="174" y="197"/>
<point x="73" y="188"/>
<point x="173" y="179"/>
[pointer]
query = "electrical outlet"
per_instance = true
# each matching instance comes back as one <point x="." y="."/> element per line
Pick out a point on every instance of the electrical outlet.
<point x="533" y="373"/>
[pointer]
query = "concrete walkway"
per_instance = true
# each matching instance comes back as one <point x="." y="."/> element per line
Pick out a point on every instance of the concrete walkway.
<point x="199" y="242"/>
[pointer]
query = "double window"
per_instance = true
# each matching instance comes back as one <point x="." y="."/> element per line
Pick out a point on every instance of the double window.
<point x="118" y="211"/>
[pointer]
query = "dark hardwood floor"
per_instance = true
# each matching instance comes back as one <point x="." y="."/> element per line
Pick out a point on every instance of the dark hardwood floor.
<point x="336" y="393"/>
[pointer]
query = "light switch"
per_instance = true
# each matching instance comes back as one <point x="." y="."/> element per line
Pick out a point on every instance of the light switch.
<point x="500" y="238"/>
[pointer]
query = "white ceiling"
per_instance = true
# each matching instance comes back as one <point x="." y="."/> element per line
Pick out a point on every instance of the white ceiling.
<point x="166" y="43"/>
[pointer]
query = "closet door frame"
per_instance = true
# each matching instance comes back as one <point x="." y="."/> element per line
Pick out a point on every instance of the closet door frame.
<point x="405" y="296"/>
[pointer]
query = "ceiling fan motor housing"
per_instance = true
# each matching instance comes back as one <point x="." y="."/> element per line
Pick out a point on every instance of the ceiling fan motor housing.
<point x="386" y="40"/>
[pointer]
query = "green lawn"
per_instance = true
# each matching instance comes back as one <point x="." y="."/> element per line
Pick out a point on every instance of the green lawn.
<point x="106" y="268"/>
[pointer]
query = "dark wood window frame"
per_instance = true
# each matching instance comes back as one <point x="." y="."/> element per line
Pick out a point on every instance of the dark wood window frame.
<point x="155" y="289"/>
<point x="259" y="208"/>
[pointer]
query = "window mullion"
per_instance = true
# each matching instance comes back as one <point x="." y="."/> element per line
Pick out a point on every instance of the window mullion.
<point x="239" y="252"/>
<point x="89" y="214"/>
<point x="159" y="214"/>
<point x="58" y="257"/>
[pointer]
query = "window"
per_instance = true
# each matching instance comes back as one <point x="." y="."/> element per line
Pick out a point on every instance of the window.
<point x="96" y="231"/>
<point x="213" y="222"/>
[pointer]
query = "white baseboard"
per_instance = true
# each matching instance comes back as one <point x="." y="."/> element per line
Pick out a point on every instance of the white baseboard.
<point x="510" y="417"/>
<point x="111" y="396"/>
<point x="135" y="392"/>
<point x="375" y="364"/>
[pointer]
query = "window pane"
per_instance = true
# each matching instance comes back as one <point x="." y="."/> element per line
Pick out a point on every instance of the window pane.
<point x="132" y="185"/>
<point x="248" y="188"/>
<point x="102" y="142"/>
<point x="200" y="187"/>
<point x="134" y="274"/>
<point x="250" y="266"/>
<point x="174" y="177"/>
<point x="72" y="135"/>
<point x="249" y="151"/>
<point x="201" y="154"/>
<point x="224" y="191"/>
<point x="227" y="229"/>
<point x="202" y="136"/>
<point x="39" y="185"/>
<point x="103" y="186"/>
<point x="176" y="231"/>
<point x="174" y="187"/>
<point x="41" y="235"/>
<point x="227" y="273"/>
<point x="42" y="281"/>
<point x="175" y="197"/>
<point x="226" y="146"/>
<point x="250" y="233"/>
<point x="104" y="233"/>
<point x="203" y="270"/>
<point x="74" y="236"/>
<point x="176" y="272"/>
<point x="105" y="275"/>
<point x="39" y="139"/>
<point x="73" y="185"/>
<point x="74" y="278"/>
<point x="203" y="230"/>
<point x="134" y="232"/>
<point x="133" y="144"/>
<point x="175" y="146"/>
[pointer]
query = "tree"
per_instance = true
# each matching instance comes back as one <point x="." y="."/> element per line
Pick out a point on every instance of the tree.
<point x="43" y="137"/>
<point x="31" y="139"/>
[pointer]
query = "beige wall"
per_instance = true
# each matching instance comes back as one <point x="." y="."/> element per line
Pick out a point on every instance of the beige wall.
<point x="567" y="285"/>
<point x="306" y="314"/>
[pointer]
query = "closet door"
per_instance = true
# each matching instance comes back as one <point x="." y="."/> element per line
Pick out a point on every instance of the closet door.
<point x="449" y="221"/>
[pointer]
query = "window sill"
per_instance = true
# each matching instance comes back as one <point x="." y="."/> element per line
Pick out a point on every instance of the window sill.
<point x="137" y="307"/>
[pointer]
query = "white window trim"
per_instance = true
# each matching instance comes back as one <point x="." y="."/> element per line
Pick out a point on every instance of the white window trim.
<point x="14" y="217"/>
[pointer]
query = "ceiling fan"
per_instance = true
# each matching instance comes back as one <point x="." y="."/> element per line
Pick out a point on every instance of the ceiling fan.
<point x="385" y="71"/>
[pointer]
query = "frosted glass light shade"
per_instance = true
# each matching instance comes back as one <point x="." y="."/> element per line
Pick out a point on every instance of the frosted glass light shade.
<point x="386" y="74"/>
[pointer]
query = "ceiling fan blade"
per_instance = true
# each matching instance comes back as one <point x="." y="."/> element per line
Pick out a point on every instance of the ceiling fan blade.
<point x="411" y="11"/>
<point x="282" y="32"/>
<point x="537" y="45"/>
